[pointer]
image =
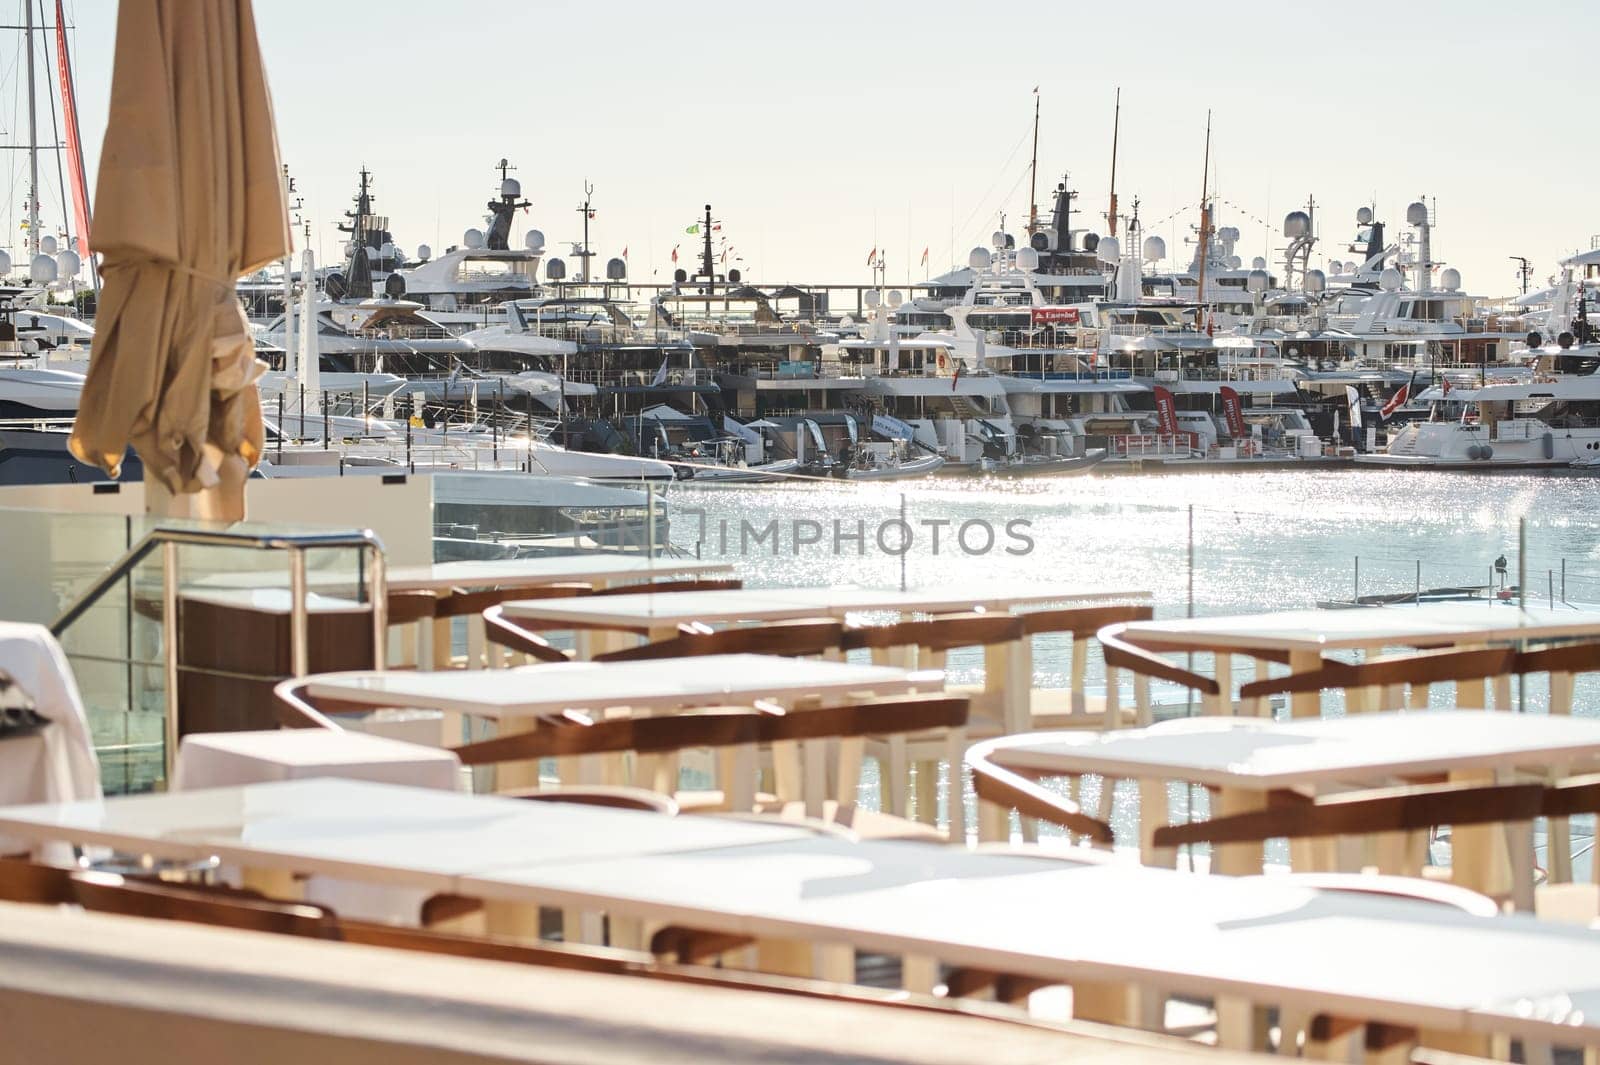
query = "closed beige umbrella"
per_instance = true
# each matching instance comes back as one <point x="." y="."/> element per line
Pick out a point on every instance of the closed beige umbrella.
<point x="190" y="196"/>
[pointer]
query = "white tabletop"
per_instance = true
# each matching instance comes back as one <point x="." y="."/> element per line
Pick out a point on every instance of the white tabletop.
<point x="1243" y="752"/>
<point x="383" y="833"/>
<point x="225" y="759"/>
<point x="652" y="610"/>
<point x="654" y="684"/>
<point x="1359" y="955"/>
<point x="545" y="569"/>
<point x="1369" y="627"/>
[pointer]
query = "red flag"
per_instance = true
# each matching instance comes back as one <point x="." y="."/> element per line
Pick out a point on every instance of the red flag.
<point x="1446" y="381"/>
<point x="1397" y="401"/>
<point x="872" y="256"/>
<point x="924" y="256"/>
<point x="624" y="252"/>
<point x="956" y="380"/>
<point x="1166" y="411"/>
<point x="1233" y="413"/>
<point x="69" y="115"/>
<point x="674" y="253"/>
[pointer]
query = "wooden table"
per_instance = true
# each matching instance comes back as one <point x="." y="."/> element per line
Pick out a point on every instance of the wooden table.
<point x="1304" y="636"/>
<point x="515" y="696"/>
<point x="1245" y="760"/>
<point x="1264" y="939"/>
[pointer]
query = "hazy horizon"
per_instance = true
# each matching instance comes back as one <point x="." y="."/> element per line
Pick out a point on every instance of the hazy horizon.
<point x="852" y="127"/>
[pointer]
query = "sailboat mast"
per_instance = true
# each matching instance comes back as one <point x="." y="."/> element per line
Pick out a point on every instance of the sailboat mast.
<point x="1116" y="129"/>
<point x="1205" y="229"/>
<point x="1033" y="171"/>
<point x="33" y="141"/>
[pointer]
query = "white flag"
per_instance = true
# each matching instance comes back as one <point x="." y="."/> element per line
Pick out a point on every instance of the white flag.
<point x="661" y="375"/>
<point x="1354" y="399"/>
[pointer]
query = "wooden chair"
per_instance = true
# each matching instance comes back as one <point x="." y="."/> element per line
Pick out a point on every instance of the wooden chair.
<point x="1002" y="790"/>
<point x="409" y="612"/>
<point x="1071" y="706"/>
<point x="473" y="605"/>
<point x="998" y="705"/>
<point x="502" y="633"/>
<point x="792" y="639"/>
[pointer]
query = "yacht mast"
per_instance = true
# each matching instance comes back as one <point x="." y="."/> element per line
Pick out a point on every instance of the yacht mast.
<point x="33" y="142"/>
<point x="587" y="212"/>
<point x="1116" y="128"/>
<point x="1205" y="230"/>
<point x="1033" y="171"/>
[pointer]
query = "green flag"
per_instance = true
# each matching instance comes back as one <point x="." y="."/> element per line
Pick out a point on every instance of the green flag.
<point x="693" y="229"/>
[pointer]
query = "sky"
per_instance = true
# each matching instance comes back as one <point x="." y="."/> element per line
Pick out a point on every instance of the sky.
<point x="822" y="131"/>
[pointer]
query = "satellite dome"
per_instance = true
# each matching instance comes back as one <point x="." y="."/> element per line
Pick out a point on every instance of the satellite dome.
<point x="1258" y="263"/>
<point x="394" y="286"/>
<point x="896" y="297"/>
<point x="1229" y="233"/>
<point x="555" y="270"/>
<point x="47" y="244"/>
<point x="1316" y="281"/>
<point x="42" y="269"/>
<point x="997" y="239"/>
<point x="1364" y="216"/>
<point x="67" y="262"/>
<point x="424" y="253"/>
<point x="1389" y="280"/>
<point x="1257" y="281"/>
<point x="511" y="188"/>
<point x="5" y="263"/>
<point x="1027" y="259"/>
<point x="1450" y="279"/>
<point x="734" y="275"/>
<point x="616" y="269"/>
<point x="473" y="238"/>
<point x="387" y="251"/>
<point x="979" y="258"/>
<point x="1091" y="241"/>
<point x="872" y="298"/>
<point x="1234" y="262"/>
<point x="1109" y="250"/>
<point x="1296" y="224"/>
<point x="1417" y="214"/>
<point x="1155" y="249"/>
<point x="1040" y="241"/>
<point x="534" y="241"/>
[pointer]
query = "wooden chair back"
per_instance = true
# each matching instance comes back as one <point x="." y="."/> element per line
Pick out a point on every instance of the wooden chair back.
<point x="688" y="584"/>
<point x="463" y="602"/>
<point x="791" y="639"/>
<point x="944" y="633"/>
<point x="1122" y="652"/>
<point x="1009" y="789"/>
<point x="508" y="634"/>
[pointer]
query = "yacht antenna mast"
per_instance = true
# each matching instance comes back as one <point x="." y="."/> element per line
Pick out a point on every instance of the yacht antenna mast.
<point x="1205" y="230"/>
<point x="33" y="143"/>
<point x="587" y="213"/>
<point x="1116" y="128"/>
<point x="1033" y="171"/>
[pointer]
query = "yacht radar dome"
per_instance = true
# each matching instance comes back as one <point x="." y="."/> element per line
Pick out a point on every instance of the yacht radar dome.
<point x="534" y="241"/>
<point x="1257" y="281"/>
<point x="510" y="188"/>
<point x="1091" y="241"/>
<point x="1155" y="249"/>
<point x="997" y="239"/>
<point x="424" y="253"/>
<point x="5" y="263"/>
<point x="735" y="275"/>
<point x="1258" y="263"/>
<point x="979" y="258"/>
<point x="67" y="262"/>
<point x="616" y="269"/>
<point x="555" y="270"/>
<point x="1040" y="241"/>
<point x="896" y="297"/>
<point x="1234" y="262"/>
<point x="1108" y="250"/>
<point x="473" y="238"/>
<point x="1230" y="233"/>
<point x="47" y="244"/>
<point x="394" y="286"/>
<point x="1364" y="216"/>
<point x="1316" y="281"/>
<point x="1450" y="279"/>
<point x="42" y="269"/>
<point x="1027" y="259"/>
<point x="1417" y="214"/>
<point x="1296" y="224"/>
<point x="872" y="299"/>
<point x="1389" y="280"/>
<point x="387" y="251"/>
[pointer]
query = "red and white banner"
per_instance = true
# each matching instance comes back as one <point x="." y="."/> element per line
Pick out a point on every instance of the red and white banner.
<point x="69" y="116"/>
<point x="1055" y="316"/>
<point x="1233" y="413"/>
<point x="1397" y="401"/>
<point x="1166" y="411"/>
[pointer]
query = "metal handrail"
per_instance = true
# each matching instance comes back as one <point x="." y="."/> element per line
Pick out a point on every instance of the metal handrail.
<point x="297" y="544"/>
